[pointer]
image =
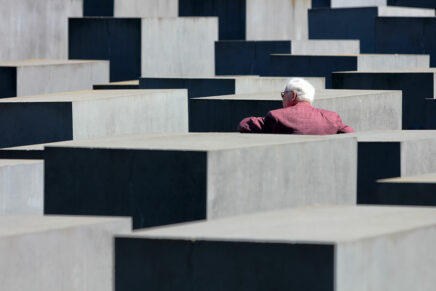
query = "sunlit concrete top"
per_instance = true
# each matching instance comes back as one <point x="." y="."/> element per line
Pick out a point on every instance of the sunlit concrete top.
<point x="394" y="135"/>
<point x="92" y="95"/>
<point x="44" y="62"/>
<point x="408" y="70"/>
<point x="5" y="163"/>
<point x="426" y="178"/>
<point x="330" y="224"/>
<point x="196" y="141"/>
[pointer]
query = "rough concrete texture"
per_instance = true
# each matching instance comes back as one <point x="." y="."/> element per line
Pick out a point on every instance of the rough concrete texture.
<point x="360" y="109"/>
<point x="387" y="154"/>
<point x="91" y="114"/>
<point x="277" y="20"/>
<point x="149" y="8"/>
<point x="179" y="46"/>
<point x="50" y="76"/>
<point x="416" y="85"/>
<point x="325" y="47"/>
<point x="324" y="248"/>
<point x="363" y="3"/>
<point x="21" y="187"/>
<point x="36" y="29"/>
<point x="197" y="174"/>
<point x="223" y="85"/>
<point x="410" y="190"/>
<point x="58" y="253"/>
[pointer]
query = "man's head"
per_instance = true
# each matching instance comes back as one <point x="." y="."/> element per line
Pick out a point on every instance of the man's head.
<point x="297" y="90"/>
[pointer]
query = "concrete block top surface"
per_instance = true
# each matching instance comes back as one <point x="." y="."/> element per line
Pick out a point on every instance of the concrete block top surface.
<point x="383" y="10"/>
<point x="320" y="94"/>
<point x="17" y="225"/>
<point x="395" y="135"/>
<point x="131" y="82"/>
<point x="46" y="62"/>
<point x="195" y="141"/>
<point x="425" y="178"/>
<point x="400" y="71"/>
<point x="321" y="225"/>
<point x="77" y="96"/>
<point x="9" y="163"/>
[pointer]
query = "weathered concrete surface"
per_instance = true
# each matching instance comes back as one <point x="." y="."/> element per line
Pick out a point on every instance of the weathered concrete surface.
<point x="324" y="65"/>
<point x="30" y="77"/>
<point x="324" y="248"/>
<point x="178" y="178"/>
<point x="21" y="187"/>
<point x="416" y="86"/>
<point x="360" y="109"/>
<point x="149" y="8"/>
<point x="58" y="253"/>
<point x="223" y="85"/>
<point x="387" y="154"/>
<point x="325" y="47"/>
<point x="406" y="35"/>
<point x="411" y="190"/>
<point x="36" y="29"/>
<point x="363" y="3"/>
<point x="357" y="23"/>
<point x="146" y="46"/>
<point x="90" y="114"/>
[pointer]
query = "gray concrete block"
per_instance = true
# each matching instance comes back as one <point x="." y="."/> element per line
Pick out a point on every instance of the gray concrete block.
<point x="174" y="178"/>
<point x="224" y="85"/>
<point x="356" y="23"/>
<point x="318" y="248"/>
<point x="325" y="65"/>
<point x="123" y="85"/>
<point x="402" y="3"/>
<point x="410" y="190"/>
<point x="325" y="47"/>
<point x="90" y="114"/>
<point x="30" y="77"/>
<point x="416" y="86"/>
<point x="146" y="46"/>
<point x="387" y="154"/>
<point x="361" y="109"/>
<point x="149" y="8"/>
<point x="44" y="253"/>
<point x="21" y="187"/>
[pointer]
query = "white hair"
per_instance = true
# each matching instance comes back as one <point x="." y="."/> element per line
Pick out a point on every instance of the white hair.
<point x="304" y="90"/>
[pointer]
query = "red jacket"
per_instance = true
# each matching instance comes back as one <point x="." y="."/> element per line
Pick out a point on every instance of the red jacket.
<point x="299" y="119"/>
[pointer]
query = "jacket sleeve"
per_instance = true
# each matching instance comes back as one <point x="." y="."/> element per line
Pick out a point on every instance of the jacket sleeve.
<point x="343" y="128"/>
<point x="252" y="125"/>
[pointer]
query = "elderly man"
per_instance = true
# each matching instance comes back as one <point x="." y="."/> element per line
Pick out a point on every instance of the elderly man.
<point x="297" y="115"/>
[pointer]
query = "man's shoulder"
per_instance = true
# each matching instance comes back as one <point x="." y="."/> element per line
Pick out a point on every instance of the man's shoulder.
<point x="328" y="113"/>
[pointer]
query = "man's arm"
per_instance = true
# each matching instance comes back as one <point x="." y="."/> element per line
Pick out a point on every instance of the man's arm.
<point x="252" y="125"/>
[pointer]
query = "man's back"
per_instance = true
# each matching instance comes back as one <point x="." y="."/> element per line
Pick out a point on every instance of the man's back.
<point x="299" y="119"/>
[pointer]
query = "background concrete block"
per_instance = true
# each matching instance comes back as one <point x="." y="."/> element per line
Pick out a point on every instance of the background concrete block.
<point x="168" y="179"/>
<point x="223" y="85"/>
<point x="89" y="114"/>
<point x="356" y="23"/>
<point x="146" y="46"/>
<point x="323" y="66"/>
<point x="362" y="110"/>
<point x="323" y="248"/>
<point x="415" y="84"/>
<point x="415" y="190"/>
<point x="363" y="3"/>
<point x="406" y="35"/>
<point x="387" y="154"/>
<point x="30" y="77"/>
<point x="21" y="187"/>
<point x="131" y="8"/>
<point x="123" y="85"/>
<point x="325" y="47"/>
<point x="430" y="113"/>
<point x="36" y="29"/>
<point x="58" y="253"/>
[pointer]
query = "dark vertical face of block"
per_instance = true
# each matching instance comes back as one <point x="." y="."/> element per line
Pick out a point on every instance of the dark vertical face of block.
<point x="311" y="66"/>
<point x="415" y="87"/>
<point x="430" y="114"/>
<point x="155" y="187"/>
<point x="225" y="115"/>
<point x="231" y="15"/>
<point x="98" y="7"/>
<point x="406" y="35"/>
<point x="376" y="160"/>
<point x="114" y="39"/>
<point x="22" y="154"/>
<point x="413" y="3"/>
<point x="413" y="194"/>
<point x="321" y="3"/>
<point x="246" y="57"/>
<point x="155" y="264"/>
<point x="344" y="23"/>
<point x="115" y="87"/>
<point x="8" y="82"/>
<point x="196" y="87"/>
<point x="35" y="123"/>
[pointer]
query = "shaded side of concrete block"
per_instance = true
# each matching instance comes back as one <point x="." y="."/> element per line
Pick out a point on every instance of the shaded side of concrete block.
<point x="430" y="113"/>
<point x="8" y="84"/>
<point x="115" y="39"/>
<point x="246" y="57"/>
<point x="217" y="265"/>
<point x="410" y="193"/>
<point x="98" y="8"/>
